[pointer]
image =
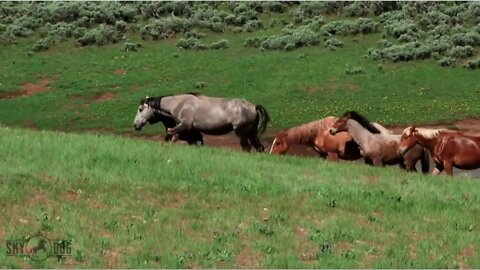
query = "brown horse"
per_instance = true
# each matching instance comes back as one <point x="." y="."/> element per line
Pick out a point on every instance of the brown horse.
<point x="315" y="134"/>
<point x="378" y="148"/>
<point x="448" y="148"/>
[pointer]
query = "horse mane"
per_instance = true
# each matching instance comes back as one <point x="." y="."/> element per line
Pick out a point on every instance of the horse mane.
<point x="154" y="102"/>
<point x="362" y="120"/>
<point x="306" y="133"/>
<point x="427" y="133"/>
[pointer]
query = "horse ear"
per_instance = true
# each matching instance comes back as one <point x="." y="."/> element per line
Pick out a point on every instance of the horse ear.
<point x="413" y="129"/>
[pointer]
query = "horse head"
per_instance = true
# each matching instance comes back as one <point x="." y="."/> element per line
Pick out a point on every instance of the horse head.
<point x="339" y="125"/>
<point x="280" y="145"/>
<point x="408" y="140"/>
<point x="145" y="113"/>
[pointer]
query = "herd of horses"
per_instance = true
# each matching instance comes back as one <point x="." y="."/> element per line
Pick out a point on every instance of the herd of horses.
<point x="350" y="137"/>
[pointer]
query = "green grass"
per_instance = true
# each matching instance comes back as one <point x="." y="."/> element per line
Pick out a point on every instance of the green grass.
<point x="295" y="87"/>
<point x="130" y="203"/>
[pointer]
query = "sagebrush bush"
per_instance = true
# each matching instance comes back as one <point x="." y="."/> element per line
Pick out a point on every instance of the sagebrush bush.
<point x="333" y="44"/>
<point x="472" y="64"/>
<point x="291" y="39"/>
<point x="354" y="70"/>
<point x="43" y="44"/>
<point x="102" y="35"/>
<point x="131" y="46"/>
<point x="359" y="26"/>
<point x="254" y="42"/>
<point x="221" y="44"/>
<point x="461" y="51"/>
<point x="447" y="61"/>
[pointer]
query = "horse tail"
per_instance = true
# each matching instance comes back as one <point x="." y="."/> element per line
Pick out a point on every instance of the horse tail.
<point x="425" y="161"/>
<point x="263" y="119"/>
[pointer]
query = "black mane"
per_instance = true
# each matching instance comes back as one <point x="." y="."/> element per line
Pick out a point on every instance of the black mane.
<point x="362" y="120"/>
<point x="154" y="102"/>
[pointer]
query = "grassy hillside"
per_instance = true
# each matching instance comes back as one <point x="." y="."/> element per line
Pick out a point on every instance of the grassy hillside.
<point x="128" y="203"/>
<point x="379" y="58"/>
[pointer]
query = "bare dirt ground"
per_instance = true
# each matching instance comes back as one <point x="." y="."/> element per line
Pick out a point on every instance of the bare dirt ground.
<point x="29" y="89"/>
<point x="469" y="126"/>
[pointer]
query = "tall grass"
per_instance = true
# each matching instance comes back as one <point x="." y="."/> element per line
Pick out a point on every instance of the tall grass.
<point x="128" y="203"/>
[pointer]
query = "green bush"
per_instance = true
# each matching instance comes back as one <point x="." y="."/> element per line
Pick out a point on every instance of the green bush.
<point x="359" y="26"/>
<point x="472" y="64"/>
<point x="131" y="46"/>
<point x="43" y="44"/>
<point x="221" y="44"/>
<point x="291" y="39"/>
<point x="461" y="51"/>
<point x="333" y="44"/>
<point x="254" y="42"/>
<point x="447" y="62"/>
<point x="354" y="70"/>
<point x="99" y="36"/>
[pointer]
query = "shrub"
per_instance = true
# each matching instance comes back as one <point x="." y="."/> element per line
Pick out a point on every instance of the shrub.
<point x="43" y="44"/>
<point x="333" y="43"/>
<point x="384" y="43"/>
<point x="472" y="64"/>
<point x="131" y="46"/>
<point x="354" y="70"/>
<point x="361" y="25"/>
<point x="166" y="27"/>
<point x="121" y="26"/>
<point x="253" y="25"/>
<point x="291" y="39"/>
<point x="470" y="38"/>
<point x="447" y="62"/>
<point x="102" y="35"/>
<point x="406" y="52"/>
<point x="253" y="42"/>
<point x="221" y="44"/>
<point x="461" y="51"/>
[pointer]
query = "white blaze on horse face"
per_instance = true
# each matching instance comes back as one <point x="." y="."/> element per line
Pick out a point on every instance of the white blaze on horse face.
<point x="273" y="143"/>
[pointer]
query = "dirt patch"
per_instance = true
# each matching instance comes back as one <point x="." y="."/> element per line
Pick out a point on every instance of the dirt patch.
<point x="247" y="258"/>
<point x="342" y="247"/>
<point x="28" y="89"/>
<point x="175" y="200"/>
<point x="103" y="97"/>
<point x="70" y="195"/>
<point x="307" y="250"/>
<point x="121" y="71"/>
<point x="372" y="179"/>
<point x="96" y="204"/>
<point x="468" y="126"/>
<point x="112" y="258"/>
<point x="467" y="252"/>
<point x="38" y="198"/>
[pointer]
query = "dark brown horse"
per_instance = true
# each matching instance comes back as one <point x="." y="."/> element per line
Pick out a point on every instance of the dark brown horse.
<point x="448" y="148"/>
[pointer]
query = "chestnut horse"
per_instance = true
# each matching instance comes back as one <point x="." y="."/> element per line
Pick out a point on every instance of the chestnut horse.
<point x="448" y="148"/>
<point x="379" y="148"/>
<point x="315" y="134"/>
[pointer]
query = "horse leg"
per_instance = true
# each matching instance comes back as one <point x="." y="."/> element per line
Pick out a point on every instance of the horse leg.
<point x="245" y="144"/>
<point x="448" y="167"/>
<point x="333" y="156"/>
<point x="438" y="169"/>
<point x="255" y="141"/>
<point x="368" y="160"/>
<point x="378" y="162"/>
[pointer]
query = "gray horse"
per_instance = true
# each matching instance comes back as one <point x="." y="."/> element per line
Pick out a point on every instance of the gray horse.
<point x="209" y="115"/>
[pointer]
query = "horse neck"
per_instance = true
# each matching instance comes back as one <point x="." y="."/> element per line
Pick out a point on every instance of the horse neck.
<point x="304" y="134"/>
<point x="428" y="143"/>
<point x="359" y="133"/>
